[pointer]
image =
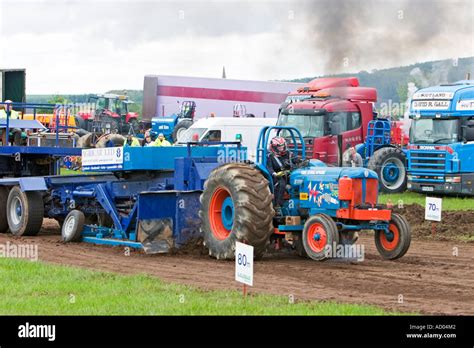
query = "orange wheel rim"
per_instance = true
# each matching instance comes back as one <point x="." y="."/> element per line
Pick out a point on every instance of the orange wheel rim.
<point x="390" y="243"/>
<point x="317" y="237"/>
<point x="218" y="229"/>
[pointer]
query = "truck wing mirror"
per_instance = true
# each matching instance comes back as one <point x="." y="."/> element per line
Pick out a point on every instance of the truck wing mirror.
<point x="468" y="131"/>
<point x="469" y="134"/>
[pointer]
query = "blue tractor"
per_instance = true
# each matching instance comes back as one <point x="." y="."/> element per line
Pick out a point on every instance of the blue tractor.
<point x="324" y="207"/>
<point x="172" y="126"/>
<point x="381" y="154"/>
<point x="441" y="148"/>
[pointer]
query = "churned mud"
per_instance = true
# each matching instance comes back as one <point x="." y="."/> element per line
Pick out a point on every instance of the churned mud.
<point x="455" y="225"/>
<point x="434" y="277"/>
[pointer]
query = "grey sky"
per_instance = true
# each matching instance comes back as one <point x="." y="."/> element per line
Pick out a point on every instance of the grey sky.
<point x="94" y="46"/>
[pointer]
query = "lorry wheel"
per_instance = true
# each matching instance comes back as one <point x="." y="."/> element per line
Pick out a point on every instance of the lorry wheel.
<point x="3" y="209"/>
<point x="73" y="226"/>
<point x="389" y="164"/>
<point x="396" y="243"/>
<point x="236" y="205"/>
<point x="25" y="212"/>
<point x="181" y="127"/>
<point x="319" y="231"/>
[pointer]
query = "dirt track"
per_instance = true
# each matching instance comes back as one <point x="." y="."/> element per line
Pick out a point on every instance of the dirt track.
<point x="429" y="277"/>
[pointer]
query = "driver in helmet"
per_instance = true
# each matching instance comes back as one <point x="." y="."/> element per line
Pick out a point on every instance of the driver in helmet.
<point x="279" y="162"/>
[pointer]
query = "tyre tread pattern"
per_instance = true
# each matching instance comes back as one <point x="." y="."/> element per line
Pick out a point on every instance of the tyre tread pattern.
<point x="253" y="221"/>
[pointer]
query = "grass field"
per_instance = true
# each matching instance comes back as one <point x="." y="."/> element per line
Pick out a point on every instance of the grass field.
<point x="35" y="288"/>
<point x="65" y="171"/>
<point x="449" y="203"/>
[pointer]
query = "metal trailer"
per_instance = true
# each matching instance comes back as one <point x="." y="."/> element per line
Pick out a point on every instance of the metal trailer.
<point x="148" y="199"/>
<point x="163" y="94"/>
<point x="28" y="147"/>
<point x="440" y="151"/>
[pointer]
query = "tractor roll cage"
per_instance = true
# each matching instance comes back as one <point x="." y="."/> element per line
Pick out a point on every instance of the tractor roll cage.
<point x="264" y="138"/>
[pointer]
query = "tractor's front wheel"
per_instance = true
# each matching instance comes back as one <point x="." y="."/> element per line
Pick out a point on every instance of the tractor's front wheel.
<point x="394" y="243"/>
<point x="319" y="234"/>
<point x="236" y="205"/>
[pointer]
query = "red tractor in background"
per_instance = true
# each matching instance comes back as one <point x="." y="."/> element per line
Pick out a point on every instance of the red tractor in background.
<point x="109" y="114"/>
<point x="340" y="127"/>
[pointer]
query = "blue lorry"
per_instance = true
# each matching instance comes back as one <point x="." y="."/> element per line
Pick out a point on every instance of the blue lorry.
<point x="440" y="154"/>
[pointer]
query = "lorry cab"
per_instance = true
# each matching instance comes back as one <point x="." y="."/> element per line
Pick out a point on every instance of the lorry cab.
<point x="332" y="119"/>
<point x="224" y="129"/>
<point x="441" y="147"/>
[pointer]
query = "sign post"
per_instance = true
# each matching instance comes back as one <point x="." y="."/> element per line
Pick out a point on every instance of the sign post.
<point x="244" y="265"/>
<point x="433" y="209"/>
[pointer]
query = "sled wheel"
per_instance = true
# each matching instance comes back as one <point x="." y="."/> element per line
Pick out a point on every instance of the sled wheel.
<point x="72" y="226"/>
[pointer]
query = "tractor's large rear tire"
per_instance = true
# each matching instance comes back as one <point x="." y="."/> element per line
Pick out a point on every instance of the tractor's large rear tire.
<point x="25" y="212"/>
<point x="390" y="165"/>
<point x="319" y="233"/>
<point x="181" y="127"/>
<point x="236" y="205"/>
<point x="396" y="244"/>
<point x="3" y="209"/>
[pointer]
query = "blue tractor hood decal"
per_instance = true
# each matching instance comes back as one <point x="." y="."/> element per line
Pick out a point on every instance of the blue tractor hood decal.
<point x="333" y="174"/>
<point x="318" y="187"/>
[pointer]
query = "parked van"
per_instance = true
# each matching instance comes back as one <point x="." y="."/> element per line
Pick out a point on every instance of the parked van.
<point x="228" y="129"/>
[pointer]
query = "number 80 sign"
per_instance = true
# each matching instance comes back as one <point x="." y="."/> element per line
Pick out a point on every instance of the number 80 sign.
<point x="244" y="263"/>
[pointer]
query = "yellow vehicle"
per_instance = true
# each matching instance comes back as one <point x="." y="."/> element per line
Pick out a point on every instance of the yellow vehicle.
<point x="49" y="120"/>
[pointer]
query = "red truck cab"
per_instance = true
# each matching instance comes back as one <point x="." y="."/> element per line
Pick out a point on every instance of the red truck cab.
<point x="332" y="116"/>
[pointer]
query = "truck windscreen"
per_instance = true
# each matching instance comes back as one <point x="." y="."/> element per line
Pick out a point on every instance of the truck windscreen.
<point x="309" y="126"/>
<point x="191" y="134"/>
<point x="434" y="131"/>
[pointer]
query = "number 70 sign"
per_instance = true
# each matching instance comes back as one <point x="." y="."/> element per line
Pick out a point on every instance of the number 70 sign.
<point x="433" y="209"/>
